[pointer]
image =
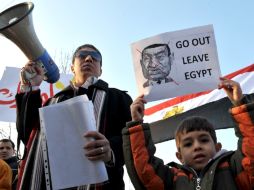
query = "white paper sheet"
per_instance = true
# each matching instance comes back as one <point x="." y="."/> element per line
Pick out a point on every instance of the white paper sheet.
<point x="64" y="125"/>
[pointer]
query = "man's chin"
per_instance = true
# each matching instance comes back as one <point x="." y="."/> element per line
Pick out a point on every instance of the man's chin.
<point x="87" y="72"/>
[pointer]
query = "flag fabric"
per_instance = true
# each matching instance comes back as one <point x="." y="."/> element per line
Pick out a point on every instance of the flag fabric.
<point x="214" y="105"/>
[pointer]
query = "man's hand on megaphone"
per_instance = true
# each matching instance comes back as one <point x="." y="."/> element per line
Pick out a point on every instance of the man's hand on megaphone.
<point x="31" y="75"/>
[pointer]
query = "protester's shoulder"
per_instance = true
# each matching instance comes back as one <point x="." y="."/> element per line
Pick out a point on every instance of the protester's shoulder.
<point x="65" y="91"/>
<point x="111" y="90"/>
<point x="119" y="92"/>
<point x="13" y="159"/>
<point x="4" y="166"/>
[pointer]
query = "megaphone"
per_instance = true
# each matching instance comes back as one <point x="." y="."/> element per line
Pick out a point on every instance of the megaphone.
<point x="16" y="24"/>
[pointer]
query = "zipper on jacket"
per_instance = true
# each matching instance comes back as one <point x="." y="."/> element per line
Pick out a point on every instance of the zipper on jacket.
<point x="198" y="183"/>
<point x="197" y="179"/>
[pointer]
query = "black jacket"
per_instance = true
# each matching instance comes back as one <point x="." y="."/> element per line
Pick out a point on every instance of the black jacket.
<point x="13" y="163"/>
<point x="115" y="114"/>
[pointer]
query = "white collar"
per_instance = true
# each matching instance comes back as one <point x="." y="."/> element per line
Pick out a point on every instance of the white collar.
<point x="89" y="81"/>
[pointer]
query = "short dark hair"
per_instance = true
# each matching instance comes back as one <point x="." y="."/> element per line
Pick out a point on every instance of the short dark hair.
<point x="194" y="123"/>
<point x="84" y="46"/>
<point x="154" y="46"/>
<point x="8" y="140"/>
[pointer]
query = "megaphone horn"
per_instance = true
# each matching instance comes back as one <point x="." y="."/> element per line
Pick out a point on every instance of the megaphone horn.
<point x="16" y="24"/>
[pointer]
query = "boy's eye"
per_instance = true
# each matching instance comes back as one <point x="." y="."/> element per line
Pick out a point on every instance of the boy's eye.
<point x="205" y="140"/>
<point x="188" y="144"/>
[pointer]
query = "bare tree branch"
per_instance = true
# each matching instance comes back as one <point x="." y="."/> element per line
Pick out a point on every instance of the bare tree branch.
<point x="63" y="60"/>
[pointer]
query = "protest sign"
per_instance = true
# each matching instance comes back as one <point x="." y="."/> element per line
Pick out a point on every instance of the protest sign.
<point x="176" y="63"/>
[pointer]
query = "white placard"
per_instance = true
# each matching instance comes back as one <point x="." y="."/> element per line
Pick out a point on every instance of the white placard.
<point x="176" y="63"/>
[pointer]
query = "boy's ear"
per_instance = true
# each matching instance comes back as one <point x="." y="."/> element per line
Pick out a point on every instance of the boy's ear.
<point x="218" y="146"/>
<point x="179" y="157"/>
<point x="72" y="68"/>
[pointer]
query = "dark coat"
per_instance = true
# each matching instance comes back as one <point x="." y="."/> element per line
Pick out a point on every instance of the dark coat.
<point x="115" y="114"/>
<point x="13" y="163"/>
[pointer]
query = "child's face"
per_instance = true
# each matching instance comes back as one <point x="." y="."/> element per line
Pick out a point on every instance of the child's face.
<point x="196" y="149"/>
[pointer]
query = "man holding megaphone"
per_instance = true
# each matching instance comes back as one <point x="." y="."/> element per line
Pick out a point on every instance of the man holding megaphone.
<point x="112" y="111"/>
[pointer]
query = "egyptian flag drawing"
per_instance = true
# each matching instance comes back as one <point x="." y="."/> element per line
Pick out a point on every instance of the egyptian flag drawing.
<point x="214" y="105"/>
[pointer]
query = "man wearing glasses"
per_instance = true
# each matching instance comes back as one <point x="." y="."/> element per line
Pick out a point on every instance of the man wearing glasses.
<point x="112" y="112"/>
<point x="156" y="64"/>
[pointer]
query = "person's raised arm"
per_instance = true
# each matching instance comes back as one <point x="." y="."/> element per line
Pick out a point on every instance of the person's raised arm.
<point x="232" y="89"/>
<point x="242" y="112"/>
<point x="28" y="100"/>
<point x="138" y="108"/>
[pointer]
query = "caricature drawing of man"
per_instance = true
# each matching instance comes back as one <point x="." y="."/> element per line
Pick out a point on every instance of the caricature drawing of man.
<point x="156" y="64"/>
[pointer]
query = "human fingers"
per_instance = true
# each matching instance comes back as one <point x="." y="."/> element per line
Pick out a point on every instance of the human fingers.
<point x="232" y="89"/>
<point x="140" y="99"/>
<point x="40" y="70"/>
<point x="96" y="147"/>
<point x="99" y="153"/>
<point x="99" y="148"/>
<point x="225" y="83"/>
<point x="99" y="140"/>
<point x="228" y="84"/>
<point x="137" y="108"/>
<point x="94" y="134"/>
<point x="26" y="73"/>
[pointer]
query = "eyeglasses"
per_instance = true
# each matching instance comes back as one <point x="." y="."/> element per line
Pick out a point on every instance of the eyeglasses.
<point x="83" y="54"/>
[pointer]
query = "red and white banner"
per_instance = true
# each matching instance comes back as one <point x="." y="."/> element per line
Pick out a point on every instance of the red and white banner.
<point x="214" y="105"/>
<point x="9" y="86"/>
